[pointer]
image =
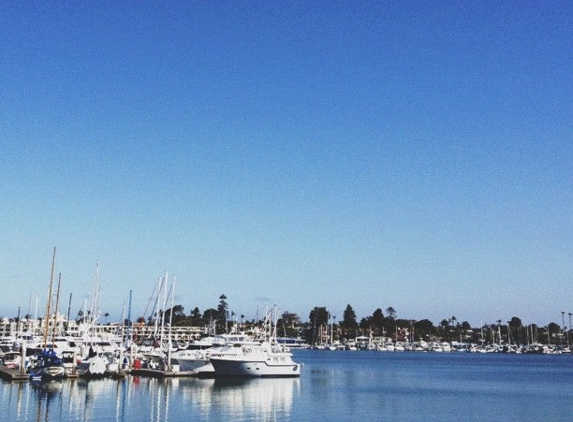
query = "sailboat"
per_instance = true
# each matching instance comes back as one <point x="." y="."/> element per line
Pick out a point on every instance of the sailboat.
<point x="99" y="361"/>
<point x="48" y="364"/>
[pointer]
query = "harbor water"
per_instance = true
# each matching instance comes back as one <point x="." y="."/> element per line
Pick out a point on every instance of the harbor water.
<point x="334" y="386"/>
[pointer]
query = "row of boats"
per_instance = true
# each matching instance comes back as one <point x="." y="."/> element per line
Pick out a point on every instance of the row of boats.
<point x="224" y="355"/>
<point x="234" y="355"/>
<point x="87" y="355"/>
<point x="436" y="346"/>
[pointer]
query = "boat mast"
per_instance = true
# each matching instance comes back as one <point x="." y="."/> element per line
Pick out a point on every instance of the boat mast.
<point x="49" y="301"/>
<point x="54" y="328"/>
<point x="95" y="298"/>
<point x="162" y="332"/>
<point x="129" y="328"/>
<point x="170" y="325"/>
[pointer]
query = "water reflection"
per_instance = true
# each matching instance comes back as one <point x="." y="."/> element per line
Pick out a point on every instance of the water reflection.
<point x="150" y="399"/>
<point x="48" y="396"/>
<point x="261" y="399"/>
<point x="236" y="399"/>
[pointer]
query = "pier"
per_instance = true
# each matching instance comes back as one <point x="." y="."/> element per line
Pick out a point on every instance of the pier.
<point x="12" y="374"/>
<point x="158" y="373"/>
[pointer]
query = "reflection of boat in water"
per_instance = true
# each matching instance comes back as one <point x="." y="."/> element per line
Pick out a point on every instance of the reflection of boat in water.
<point x="255" y="360"/>
<point x="265" y="398"/>
<point x="50" y="387"/>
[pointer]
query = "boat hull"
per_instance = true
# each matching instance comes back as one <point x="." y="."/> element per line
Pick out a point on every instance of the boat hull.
<point x="94" y="367"/>
<point x="228" y="367"/>
<point x="48" y="373"/>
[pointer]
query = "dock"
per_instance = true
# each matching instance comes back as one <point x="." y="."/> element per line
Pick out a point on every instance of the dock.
<point x="157" y="373"/>
<point x="12" y="374"/>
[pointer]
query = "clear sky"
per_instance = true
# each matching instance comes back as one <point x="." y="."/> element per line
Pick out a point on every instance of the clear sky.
<point x="417" y="155"/>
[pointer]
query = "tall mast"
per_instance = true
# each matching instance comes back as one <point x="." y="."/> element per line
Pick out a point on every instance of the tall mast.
<point x="49" y="301"/>
<point x="54" y="328"/>
<point x="69" y="310"/>
<point x="129" y="332"/>
<point x="165" y="281"/>
<point x="96" y="292"/>
<point x="170" y="325"/>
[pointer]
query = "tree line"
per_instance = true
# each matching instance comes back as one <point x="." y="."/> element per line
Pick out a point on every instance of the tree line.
<point x="379" y="324"/>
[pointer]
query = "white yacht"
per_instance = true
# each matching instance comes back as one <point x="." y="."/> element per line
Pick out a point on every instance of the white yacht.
<point x="254" y="360"/>
<point x="195" y="361"/>
<point x="196" y="358"/>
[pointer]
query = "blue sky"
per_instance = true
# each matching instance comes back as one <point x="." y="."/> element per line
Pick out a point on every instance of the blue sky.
<point x="408" y="154"/>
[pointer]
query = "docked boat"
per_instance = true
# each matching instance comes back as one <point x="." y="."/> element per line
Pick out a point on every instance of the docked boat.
<point x="92" y="367"/>
<point x="11" y="360"/>
<point x="48" y="366"/>
<point x="196" y="358"/>
<point x="194" y="361"/>
<point x="263" y="357"/>
<point x="99" y="364"/>
<point x="254" y="360"/>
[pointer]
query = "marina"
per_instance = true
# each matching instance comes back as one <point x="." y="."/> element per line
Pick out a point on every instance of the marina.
<point x="340" y="386"/>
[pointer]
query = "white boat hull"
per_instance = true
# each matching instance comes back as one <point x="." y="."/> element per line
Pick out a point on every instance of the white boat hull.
<point x="229" y="367"/>
<point x="195" y="361"/>
<point x="197" y="366"/>
<point x="94" y="367"/>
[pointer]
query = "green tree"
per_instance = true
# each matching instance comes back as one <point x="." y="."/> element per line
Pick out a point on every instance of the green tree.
<point x="553" y="330"/>
<point x="424" y="328"/>
<point x="178" y="314"/>
<point x="210" y="318"/>
<point x="374" y="323"/>
<point x="288" y="325"/>
<point x="222" y="314"/>
<point x="391" y="312"/>
<point x="195" y="318"/>
<point x="514" y="329"/>
<point x="195" y="313"/>
<point x="444" y="329"/>
<point x="378" y="321"/>
<point x="349" y="324"/>
<point x="318" y="318"/>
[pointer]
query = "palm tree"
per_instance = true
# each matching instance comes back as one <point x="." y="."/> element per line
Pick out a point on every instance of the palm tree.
<point x="391" y="312"/>
<point x="106" y="316"/>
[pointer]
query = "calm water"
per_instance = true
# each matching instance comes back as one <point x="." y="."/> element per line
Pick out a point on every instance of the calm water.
<point x="334" y="386"/>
